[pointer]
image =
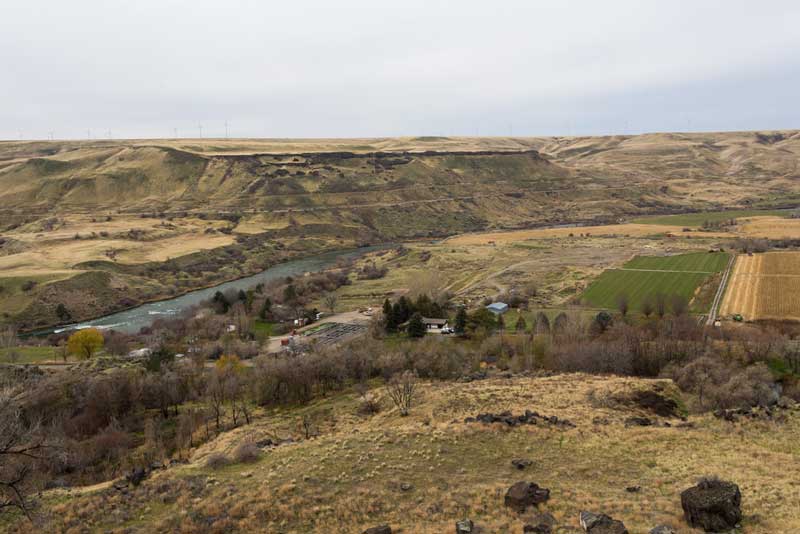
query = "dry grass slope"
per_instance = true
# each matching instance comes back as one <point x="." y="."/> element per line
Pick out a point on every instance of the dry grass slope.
<point x="351" y="474"/>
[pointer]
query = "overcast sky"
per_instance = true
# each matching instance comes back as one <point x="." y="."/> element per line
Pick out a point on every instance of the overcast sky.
<point x="147" y="68"/>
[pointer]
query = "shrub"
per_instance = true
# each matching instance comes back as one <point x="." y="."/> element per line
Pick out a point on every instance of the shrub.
<point x="246" y="452"/>
<point x="217" y="460"/>
<point x="433" y="359"/>
<point x="593" y="357"/>
<point x="723" y="385"/>
<point x="369" y="404"/>
<point x="402" y="389"/>
<point x="372" y="272"/>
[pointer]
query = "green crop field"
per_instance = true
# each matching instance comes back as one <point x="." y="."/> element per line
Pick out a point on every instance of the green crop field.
<point x="668" y="275"/>
<point x="698" y="262"/>
<point x="697" y="219"/>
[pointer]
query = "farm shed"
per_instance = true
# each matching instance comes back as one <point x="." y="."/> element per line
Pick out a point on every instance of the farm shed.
<point x="434" y="324"/>
<point x="497" y="308"/>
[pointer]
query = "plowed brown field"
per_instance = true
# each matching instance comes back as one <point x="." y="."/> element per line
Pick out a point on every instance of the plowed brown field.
<point x="764" y="286"/>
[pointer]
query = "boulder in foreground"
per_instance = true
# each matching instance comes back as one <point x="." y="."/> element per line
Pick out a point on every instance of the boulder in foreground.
<point x="601" y="524"/>
<point x="713" y="505"/>
<point x="465" y="526"/>
<point x="524" y="494"/>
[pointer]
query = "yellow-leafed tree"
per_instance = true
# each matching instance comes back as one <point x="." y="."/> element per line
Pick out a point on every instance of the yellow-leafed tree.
<point x="228" y="364"/>
<point x="85" y="343"/>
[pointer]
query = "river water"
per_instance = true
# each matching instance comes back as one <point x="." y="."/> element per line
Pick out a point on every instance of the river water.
<point x="132" y="320"/>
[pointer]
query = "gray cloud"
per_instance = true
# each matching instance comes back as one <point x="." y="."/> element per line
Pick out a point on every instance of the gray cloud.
<point x="358" y="68"/>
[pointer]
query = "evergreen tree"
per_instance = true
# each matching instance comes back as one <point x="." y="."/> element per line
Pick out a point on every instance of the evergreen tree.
<point x="521" y="324"/>
<point x="501" y="323"/>
<point x="403" y="310"/>
<point x="424" y="305"/>
<point x="461" y="320"/>
<point x="542" y="324"/>
<point x="416" y="328"/>
<point x="289" y="294"/>
<point x="248" y="302"/>
<point x="602" y="322"/>
<point x="390" y="321"/>
<point x="481" y="318"/>
<point x="266" y="310"/>
<point x="560" y="324"/>
<point x="63" y="313"/>
<point x="161" y="356"/>
<point x="220" y="303"/>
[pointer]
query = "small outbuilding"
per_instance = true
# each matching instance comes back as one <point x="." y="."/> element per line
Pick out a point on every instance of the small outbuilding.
<point x="497" y="308"/>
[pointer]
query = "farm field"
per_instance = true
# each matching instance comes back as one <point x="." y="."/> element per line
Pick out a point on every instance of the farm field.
<point x="697" y="219"/>
<point x="701" y="262"/>
<point x="769" y="227"/>
<point x="473" y="267"/>
<point x="764" y="286"/>
<point x="622" y="230"/>
<point x="646" y="276"/>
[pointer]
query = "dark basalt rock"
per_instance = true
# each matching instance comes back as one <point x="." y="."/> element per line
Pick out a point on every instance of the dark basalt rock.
<point x="638" y="421"/>
<point x="524" y="494"/>
<point x="656" y="403"/>
<point x="521" y="463"/>
<point x="540" y="524"/>
<point x="465" y="526"/>
<point x="136" y="476"/>
<point x="528" y="418"/>
<point x="713" y="505"/>
<point x="601" y="524"/>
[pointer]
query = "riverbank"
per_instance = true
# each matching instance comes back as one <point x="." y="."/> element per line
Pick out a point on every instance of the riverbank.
<point x="132" y="319"/>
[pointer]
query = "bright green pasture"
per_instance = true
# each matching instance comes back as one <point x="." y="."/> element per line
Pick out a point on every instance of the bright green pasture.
<point x="667" y="275"/>
<point x="699" y="261"/>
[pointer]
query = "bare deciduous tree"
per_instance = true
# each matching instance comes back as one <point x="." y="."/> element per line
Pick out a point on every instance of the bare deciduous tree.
<point x="8" y="338"/>
<point x="679" y="305"/>
<point x="331" y="300"/>
<point x="623" y="304"/>
<point x="22" y="444"/>
<point x="661" y="305"/>
<point x="402" y="389"/>
<point x="648" y="306"/>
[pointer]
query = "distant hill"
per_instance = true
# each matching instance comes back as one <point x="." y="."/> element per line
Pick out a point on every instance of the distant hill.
<point x="452" y="184"/>
<point x="207" y="201"/>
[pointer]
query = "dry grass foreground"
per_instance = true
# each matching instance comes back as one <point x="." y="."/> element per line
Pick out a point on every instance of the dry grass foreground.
<point x="764" y="286"/>
<point x="424" y="472"/>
